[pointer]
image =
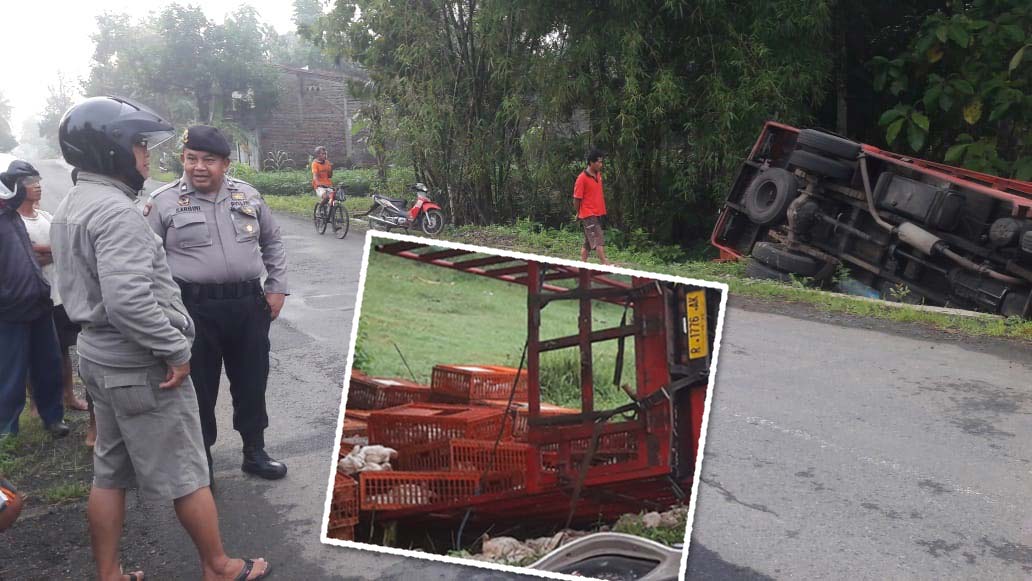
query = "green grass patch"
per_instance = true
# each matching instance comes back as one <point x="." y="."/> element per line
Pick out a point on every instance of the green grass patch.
<point x="56" y="470"/>
<point x="435" y="315"/>
<point x="566" y="243"/>
<point x="668" y="534"/>
<point x="303" y="205"/>
<point x="67" y="492"/>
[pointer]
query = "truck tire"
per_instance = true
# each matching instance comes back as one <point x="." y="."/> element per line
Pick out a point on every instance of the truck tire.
<point x="783" y="259"/>
<point x="833" y="145"/>
<point x="758" y="270"/>
<point x="767" y="198"/>
<point x="820" y="165"/>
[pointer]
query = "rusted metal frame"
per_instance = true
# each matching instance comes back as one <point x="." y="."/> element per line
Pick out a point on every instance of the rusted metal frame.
<point x="484" y="261"/>
<point x="520" y="268"/>
<point x="396" y="247"/>
<point x="600" y="294"/>
<point x="478" y="271"/>
<point x="442" y="254"/>
<point x="594" y="337"/>
<point x="533" y="482"/>
<point x="587" y="379"/>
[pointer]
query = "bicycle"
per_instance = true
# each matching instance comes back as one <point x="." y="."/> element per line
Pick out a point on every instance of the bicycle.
<point x="332" y="212"/>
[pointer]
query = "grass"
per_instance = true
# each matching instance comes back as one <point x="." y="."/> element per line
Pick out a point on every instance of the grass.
<point x="42" y="467"/>
<point x="67" y="492"/>
<point x="698" y="263"/>
<point x="303" y="205"/>
<point x="632" y="524"/>
<point x="433" y="315"/>
<point x="566" y="243"/>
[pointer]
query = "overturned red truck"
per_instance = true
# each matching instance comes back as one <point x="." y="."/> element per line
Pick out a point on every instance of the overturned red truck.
<point x="468" y="464"/>
<point x="806" y="203"/>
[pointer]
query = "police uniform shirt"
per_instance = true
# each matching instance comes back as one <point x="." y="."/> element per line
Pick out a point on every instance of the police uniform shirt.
<point x="227" y="236"/>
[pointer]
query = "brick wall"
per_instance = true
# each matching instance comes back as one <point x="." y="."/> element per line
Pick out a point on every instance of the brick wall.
<point x="315" y="108"/>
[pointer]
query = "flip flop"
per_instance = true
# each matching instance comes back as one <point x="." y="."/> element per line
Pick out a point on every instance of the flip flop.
<point x="248" y="567"/>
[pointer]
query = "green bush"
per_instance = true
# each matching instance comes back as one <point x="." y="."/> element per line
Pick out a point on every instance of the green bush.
<point x="281" y="183"/>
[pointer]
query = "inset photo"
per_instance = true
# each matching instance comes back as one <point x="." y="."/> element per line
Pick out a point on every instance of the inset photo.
<point x="523" y="413"/>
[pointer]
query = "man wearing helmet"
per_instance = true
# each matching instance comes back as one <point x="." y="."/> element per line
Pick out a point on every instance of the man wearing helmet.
<point x="28" y="341"/>
<point x="134" y="349"/>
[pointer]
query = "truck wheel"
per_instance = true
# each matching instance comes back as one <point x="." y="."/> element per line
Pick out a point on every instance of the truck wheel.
<point x="832" y="145"/>
<point x="783" y="259"/>
<point x="768" y="196"/>
<point x="820" y="165"/>
<point x="758" y="270"/>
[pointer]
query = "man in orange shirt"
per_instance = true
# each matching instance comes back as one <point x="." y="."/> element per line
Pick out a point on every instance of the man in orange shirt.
<point x="322" y="171"/>
<point x="591" y="206"/>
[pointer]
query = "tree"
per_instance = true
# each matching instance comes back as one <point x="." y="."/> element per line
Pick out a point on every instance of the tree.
<point x="962" y="88"/>
<point x="60" y="97"/>
<point x="489" y="94"/>
<point x="7" y="140"/>
<point x="186" y="66"/>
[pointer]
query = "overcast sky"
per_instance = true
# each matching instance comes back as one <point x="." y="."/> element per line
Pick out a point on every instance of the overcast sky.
<point x="38" y="40"/>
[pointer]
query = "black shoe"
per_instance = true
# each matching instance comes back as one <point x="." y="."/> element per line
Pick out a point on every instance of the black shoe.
<point x="58" y="429"/>
<point x="257" y="462"/>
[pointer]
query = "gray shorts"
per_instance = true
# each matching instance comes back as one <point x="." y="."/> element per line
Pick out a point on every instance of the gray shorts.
<point x="146" y="436"/>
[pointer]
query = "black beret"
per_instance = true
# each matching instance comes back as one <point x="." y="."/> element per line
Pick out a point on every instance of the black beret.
<point x="206" y="138"/>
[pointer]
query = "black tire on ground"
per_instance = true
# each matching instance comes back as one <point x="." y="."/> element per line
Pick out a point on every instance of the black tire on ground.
<point x="781" y="258"/>
<point x="758" y="270"/>
<point x="832" y="145"/>
<point x="319" y="218"/>
<point x="341" y="221"/>
<point x="820" y="165"/>
<point x="768" y="196"/>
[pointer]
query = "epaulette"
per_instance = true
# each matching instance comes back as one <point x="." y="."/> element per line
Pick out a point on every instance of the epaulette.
<point x="165" y="188"/>
<point x="234" y="182"/>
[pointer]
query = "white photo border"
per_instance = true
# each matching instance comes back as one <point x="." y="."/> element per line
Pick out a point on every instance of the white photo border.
<point x="370" y="236"/>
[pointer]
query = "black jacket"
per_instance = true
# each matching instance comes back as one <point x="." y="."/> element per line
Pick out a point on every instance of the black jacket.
<point x="24" y="293"/>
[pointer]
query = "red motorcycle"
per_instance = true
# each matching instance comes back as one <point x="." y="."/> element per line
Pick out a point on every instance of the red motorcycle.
<point x="425" y="214"/>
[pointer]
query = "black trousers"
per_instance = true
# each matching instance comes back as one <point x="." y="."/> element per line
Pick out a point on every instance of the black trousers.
<point x="234" y="331"/>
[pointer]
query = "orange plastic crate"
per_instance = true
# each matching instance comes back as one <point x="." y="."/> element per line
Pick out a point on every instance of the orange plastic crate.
<point x="344" y="504"/>
<point x="472" y="382"/>
<point x="354" y="428"/>
<point x="462" y="455"/>
<point x="377" y="393"/>
<point x="421" y="423"/>
<point x="395" y="489"/>
<point x="343" y="533"/>
<point x="516" y="425"/>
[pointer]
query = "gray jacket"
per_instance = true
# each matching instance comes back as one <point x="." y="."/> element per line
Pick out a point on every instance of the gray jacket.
<point x="115" y="280"/>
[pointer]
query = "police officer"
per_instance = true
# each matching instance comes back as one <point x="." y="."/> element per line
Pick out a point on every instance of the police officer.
<point x="220" y="235"/>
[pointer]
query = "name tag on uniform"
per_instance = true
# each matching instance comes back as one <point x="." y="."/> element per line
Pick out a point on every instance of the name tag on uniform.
<point x="243" y="207"/>
<point x="182" y="209"/>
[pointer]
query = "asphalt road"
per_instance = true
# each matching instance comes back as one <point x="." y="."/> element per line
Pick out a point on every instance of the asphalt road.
<point x="837" y="448"/>
<point x="865" y="450"/>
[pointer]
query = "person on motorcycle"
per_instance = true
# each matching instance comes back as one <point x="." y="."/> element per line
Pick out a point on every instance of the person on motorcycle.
<point x="322" y="171"/>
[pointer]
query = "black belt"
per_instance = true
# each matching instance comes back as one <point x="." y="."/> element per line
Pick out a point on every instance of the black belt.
<point x="193" y="292"/>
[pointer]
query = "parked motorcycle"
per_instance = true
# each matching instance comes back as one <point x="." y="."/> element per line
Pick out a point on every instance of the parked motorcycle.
<point x="425" y="214"/>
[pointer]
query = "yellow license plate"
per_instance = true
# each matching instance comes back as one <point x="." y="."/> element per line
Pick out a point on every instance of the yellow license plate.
<point x="698" y="335"/>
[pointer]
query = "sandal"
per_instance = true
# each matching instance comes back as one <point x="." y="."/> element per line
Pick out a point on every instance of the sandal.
<point x="248" y="567"/>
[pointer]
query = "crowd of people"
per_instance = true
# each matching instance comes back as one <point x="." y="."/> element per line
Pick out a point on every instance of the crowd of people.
<point x="158" y="298"/>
